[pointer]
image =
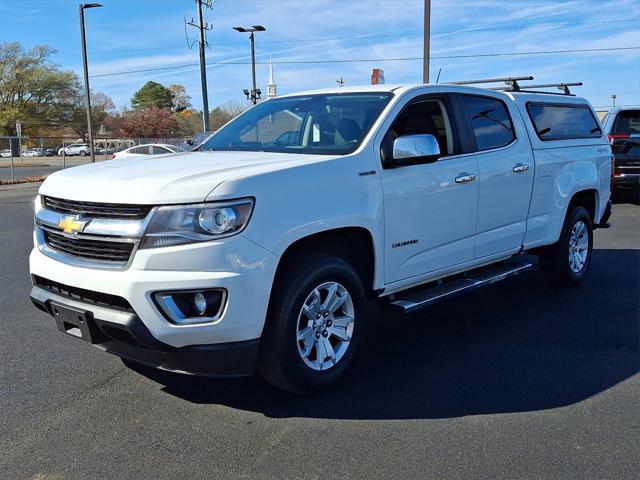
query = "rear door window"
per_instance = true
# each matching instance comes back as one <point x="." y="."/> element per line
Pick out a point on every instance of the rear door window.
<point x="492" y="126"/>
<point x="563" y="122"/>
<point x="155" y="150"/>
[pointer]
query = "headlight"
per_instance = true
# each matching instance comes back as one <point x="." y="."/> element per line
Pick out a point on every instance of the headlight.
<point x="181" y="224"/>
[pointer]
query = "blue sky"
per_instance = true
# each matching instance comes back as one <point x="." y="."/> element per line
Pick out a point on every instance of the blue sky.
<point x="130" y="35"/>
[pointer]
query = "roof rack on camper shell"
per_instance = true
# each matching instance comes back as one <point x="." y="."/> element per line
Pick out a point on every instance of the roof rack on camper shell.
<point x="560" y="86"/>
<point x="512" y="85"/>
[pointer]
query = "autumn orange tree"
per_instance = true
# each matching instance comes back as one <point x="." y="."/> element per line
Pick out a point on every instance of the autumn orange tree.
<point x="151" y="122"/>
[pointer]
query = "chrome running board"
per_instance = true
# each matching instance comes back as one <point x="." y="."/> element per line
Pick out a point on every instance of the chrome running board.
<point x="448" y="288"/>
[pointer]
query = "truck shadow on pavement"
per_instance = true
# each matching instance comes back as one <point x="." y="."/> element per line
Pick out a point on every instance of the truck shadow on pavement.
<point x="512" y="347"/>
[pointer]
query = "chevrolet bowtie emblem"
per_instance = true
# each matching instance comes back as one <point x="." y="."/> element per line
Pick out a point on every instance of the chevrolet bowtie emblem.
<point x="72" y="224"/>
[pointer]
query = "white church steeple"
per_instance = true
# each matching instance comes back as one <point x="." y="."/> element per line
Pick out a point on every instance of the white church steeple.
<point x="271" y="86"/>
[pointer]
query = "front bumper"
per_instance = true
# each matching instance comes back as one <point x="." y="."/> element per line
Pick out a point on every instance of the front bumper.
<point x="122" y="333"/>
<point x="244" y="269"/>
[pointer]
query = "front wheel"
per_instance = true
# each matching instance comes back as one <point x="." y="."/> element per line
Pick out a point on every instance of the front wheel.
<point x="314" y="324"/>
<point x="567" y="261"/>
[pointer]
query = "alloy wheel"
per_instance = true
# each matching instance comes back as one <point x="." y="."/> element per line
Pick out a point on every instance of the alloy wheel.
<point x="325" y="326"/>
<point x="578" y="246"/>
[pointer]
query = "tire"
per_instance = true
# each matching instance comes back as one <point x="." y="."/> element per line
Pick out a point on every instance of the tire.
<point x="83" y="153"/>
<point x="567" y="261"/>
<point x="295" y="338"/>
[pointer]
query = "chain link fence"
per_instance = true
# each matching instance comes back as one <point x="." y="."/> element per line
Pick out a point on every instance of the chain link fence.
<point x="23" y="158"/>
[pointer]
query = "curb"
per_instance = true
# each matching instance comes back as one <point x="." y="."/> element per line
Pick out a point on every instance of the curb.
<point x="20" y="186"/>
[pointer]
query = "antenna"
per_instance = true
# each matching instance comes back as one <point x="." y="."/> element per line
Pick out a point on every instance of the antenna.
<point x="340" y="82"/>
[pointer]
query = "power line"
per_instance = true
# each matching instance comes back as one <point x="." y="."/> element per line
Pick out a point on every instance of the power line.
<point x="466" y="30"/>
<point x="361" y="60"/>
<point x="366" y="36"/>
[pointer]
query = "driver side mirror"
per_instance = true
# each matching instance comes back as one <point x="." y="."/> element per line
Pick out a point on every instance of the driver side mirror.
<point x="412" y="149"/>
<point x="190" y="142"/>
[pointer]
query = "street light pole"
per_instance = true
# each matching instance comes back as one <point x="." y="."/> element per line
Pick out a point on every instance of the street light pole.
<point x="253" y="68"/>
<point x="427" y="40"/>
<point x="255" y="93"/>
<point x="87" y="94"/>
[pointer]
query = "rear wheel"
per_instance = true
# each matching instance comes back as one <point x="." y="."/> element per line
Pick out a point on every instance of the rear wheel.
<point x="83" y="153"/>
<point x="567" y="261"/>
<point x="314" y="324"/>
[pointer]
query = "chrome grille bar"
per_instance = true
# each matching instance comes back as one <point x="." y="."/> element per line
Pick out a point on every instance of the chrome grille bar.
<point x="96" y="210"/>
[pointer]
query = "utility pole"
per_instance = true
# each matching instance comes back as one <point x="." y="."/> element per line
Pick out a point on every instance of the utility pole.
<point x="85" y="68"/>
<point x="427" y="41"/>
<point x="203" y="27"/>
<point x="613" y="98"/>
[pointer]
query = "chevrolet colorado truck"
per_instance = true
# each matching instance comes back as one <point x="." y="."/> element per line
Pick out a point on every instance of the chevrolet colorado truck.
<point x="264" y="249"/>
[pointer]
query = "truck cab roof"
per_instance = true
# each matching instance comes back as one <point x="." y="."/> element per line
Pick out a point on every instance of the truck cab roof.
<point x="520" y="97"/>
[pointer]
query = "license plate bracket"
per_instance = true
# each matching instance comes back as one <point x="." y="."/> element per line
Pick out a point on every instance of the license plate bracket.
<point x="74" y="321"/>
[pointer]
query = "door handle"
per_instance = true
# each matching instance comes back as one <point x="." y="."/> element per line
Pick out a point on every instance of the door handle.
<point x="465" y="178"/>
<point x="520" y="167"/>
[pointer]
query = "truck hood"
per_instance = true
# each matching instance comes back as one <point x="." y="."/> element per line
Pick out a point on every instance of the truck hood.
<point x="161" y="179"/>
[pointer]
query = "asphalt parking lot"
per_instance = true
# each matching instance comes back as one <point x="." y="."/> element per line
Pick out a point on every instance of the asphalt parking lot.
<point x="37" y="166"/>
<point x="514" y="381"/>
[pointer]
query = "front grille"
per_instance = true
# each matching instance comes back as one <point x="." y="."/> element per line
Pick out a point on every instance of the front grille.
<point x="100" y="250"/>
<point x="82" y="295"/>
<point x="97" y="210"/>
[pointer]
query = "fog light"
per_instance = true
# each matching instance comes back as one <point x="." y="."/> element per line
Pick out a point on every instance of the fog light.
<point x="191" y="306"/>
<point x="200" y="303"/>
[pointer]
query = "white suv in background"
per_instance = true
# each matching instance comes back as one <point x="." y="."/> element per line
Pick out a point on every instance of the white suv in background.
<point x="262" y="248"/>
<point x="81" y="149"/>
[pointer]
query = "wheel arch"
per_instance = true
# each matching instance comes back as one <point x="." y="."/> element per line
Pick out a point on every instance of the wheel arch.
<point x="587" y="198"/>
<point x="354" y="244"/>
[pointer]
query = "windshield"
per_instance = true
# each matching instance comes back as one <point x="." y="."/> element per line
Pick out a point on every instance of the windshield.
<point x="332" y="124"/>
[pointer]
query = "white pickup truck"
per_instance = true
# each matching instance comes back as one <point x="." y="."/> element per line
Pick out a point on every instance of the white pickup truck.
<point x="262" y="249"/>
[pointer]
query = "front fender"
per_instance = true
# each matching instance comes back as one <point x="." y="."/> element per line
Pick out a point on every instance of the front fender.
<point x="297" y="202"/>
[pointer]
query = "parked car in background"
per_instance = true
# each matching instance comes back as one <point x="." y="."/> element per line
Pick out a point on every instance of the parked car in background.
<point x="81" y="149"/>
<point x="196" y="141"/>
<point x="149" y="149"/>
<point x="622" y="125"/>
<point x="34" y="152"/>
<point x="5" y="153"/>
